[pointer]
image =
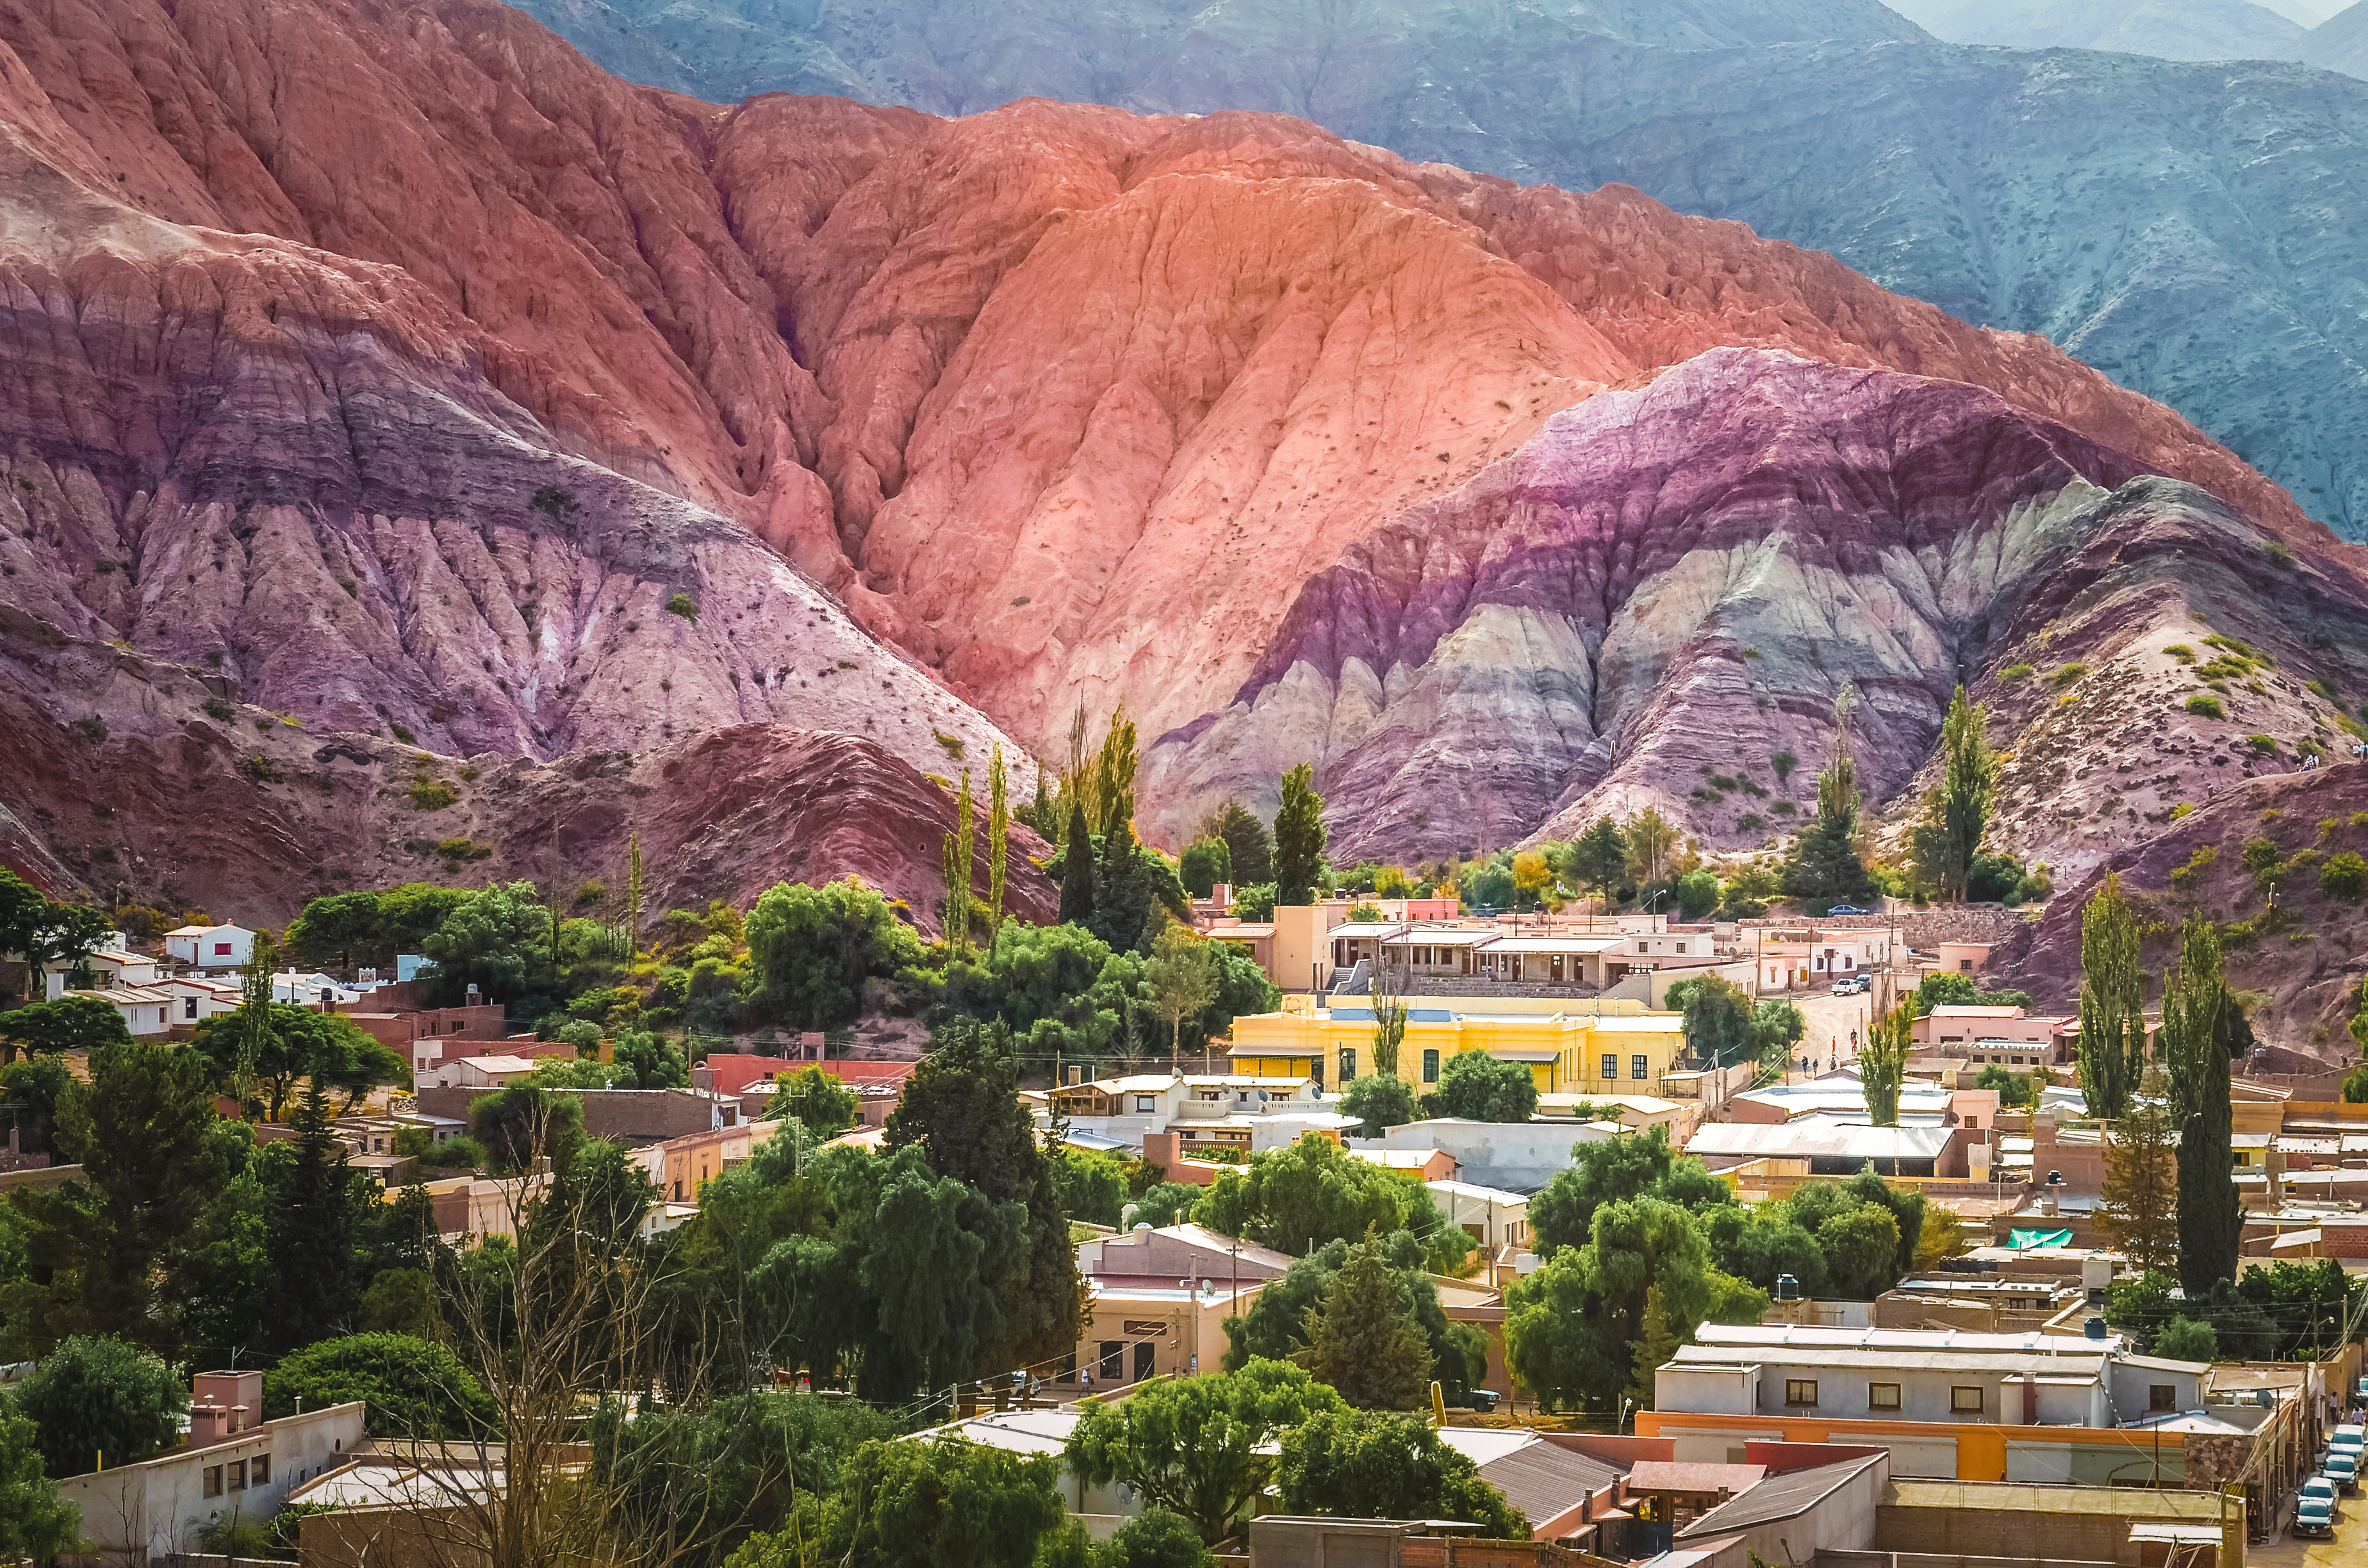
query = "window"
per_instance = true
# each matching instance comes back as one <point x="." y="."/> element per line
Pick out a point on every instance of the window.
<point x="1964" y="966"/>
<point x="188" y="1007"/>
<point x="1800" y="1391"/>
<point x="1882" y="1396"/>
<point x="2162" y="1396"/>
<point x="237" y="1478"/>
<point x="1348" y="1063"/>
<point x="1682" y="949"/>
<point x="1639" y="1068"/>
<point x="1430" y="1067"/>
<point x="213" y="1481"/>
<point x="1145" y="1104"/>
<point x="1610" y="1066"/>
<point x="258" y="1469"/>
<point x="1644" y="947"/>
<point x="1966" y="1400"/>
<point x="221" y="950"/>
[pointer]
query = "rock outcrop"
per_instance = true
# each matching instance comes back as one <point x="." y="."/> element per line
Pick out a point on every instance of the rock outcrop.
<point x="1653" y="602"/>
<point x="2196" y="230"/>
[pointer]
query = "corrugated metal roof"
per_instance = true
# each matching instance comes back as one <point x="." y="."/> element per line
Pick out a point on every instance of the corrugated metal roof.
<point x="1778" y="1497"/>
<point x="1544" y="1480"/>
<point x="1815" y="1136"/>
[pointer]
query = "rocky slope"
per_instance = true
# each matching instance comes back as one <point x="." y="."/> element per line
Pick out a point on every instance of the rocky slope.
<point x="2197" y="230"/>
<point x="2340" y="44"/>
<point x="393" y="375"/>
<point x="2166" y="29"/>
<point x="2301" y="962"/>
<point x="1658" y="594"/>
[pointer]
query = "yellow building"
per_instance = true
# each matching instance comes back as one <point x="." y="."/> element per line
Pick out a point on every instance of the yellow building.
<point x="1592" y="1046"/>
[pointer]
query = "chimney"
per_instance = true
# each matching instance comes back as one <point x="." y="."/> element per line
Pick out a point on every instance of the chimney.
<point x="208" y="1424"/>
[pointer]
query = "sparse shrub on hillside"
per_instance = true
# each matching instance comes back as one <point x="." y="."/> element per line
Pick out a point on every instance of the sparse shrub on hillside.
<point x="2181" y="652"/>
<point x="2067" y="673"/>
<point x="220" y="709"/>
<point x="91" y="728"/>
<point x="402" y="733"/>
<point x="1782" y="763"/>
<point x="683" y="604"/>
<point x="2322" y="688"/>
<point x="2206" y="707"/>
<point x="2184" y="807"/>
<point x="2199" y="860"/>
<point x="2344" y="876"/>
<point x="2265" y="745"/>
<point x="431" y="795"/>
<point x="555" y="501"/>
<point x="2279" y="555"/>
<point x="260" y="768"/>
<point x="2329" y="827"/>
<point x="2016" y="672"/>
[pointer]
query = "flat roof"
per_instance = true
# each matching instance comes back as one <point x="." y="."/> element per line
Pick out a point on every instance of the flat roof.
<point x="1815" y="1136"/>
<point x="1558" y="944"/>
<point x="1809" y="1337"/>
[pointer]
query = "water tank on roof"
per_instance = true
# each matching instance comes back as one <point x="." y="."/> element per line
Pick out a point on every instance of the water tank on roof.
<point x="1787" y="1288"/>
<point x="2093" y="1328"/>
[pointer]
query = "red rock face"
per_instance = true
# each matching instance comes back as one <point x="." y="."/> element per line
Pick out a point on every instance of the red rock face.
<point x="405" y="368"/>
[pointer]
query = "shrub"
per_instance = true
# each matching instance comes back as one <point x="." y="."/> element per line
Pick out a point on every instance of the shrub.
<point x="260" y="768"/>
<point x="219" y="710"/>
<point x="555" y="501"/>
<point x="431" y="795"/>
<point x="2206" y="707"/>
<point x="2016" y="672"/>
<point x="92" y="729"/>
<point x="2181" y="652"/>
<point x="2184" y="807"/>
<point x="2067" y="673"/>
<point x="401" y="733"/>
<point x="2344" y="876"/>
<point x="2279" y="555"/>
<point x="2265" y="745"/>
<point x="683" y="604"/>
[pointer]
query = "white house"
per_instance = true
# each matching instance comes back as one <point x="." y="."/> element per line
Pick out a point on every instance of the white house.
<point x="147" y="1010"/>
<point x="312" y="990"/>
<point x="110" y="966"/>
<point x="234" y="1463"/>
<point x="196" y="999"/>
<point x="211" y="947"/>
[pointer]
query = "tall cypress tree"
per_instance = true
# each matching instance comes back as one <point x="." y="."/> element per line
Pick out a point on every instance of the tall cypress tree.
<point x="1125" y="900"/>
<point x="315" y="1228"/>
<point x="1077" y="871"/>
<point x="1823" y="862"/>
<point x="2112" y="1050"/>
<point x="999" y="841"/>
<point x="2203" y="1030"/>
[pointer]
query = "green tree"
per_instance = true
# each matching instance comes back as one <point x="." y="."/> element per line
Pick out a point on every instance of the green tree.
<point x="1249" y="849"/>
<point x="318" y="1210"/>
<point x="1166" y="1203"/>
<point x="1077" y="900"/>
<point x="1157" y="1539"/>
<point x="1297" y="1198"/>
<point x="998" y="840"/>
<point x="1181" y="979"/>
<point x="413" y="1388"/>
<point x="109" y="1253"/>
<point x="1777" y="1027"/>
<point x="812" y="949"/>
<point x="1599" y="857"/>
<point x="1381" y="1100"/>
<point x="1862" y="1248"/>
<point x="820" y="1101"/>
<point x="1650" y="844"/>
<point x="2140" y="1210"/>
<point x="2111" y="1050"/>
<point x="35" y="1087"/>
<point x="935" y="1504"/>
<point x="1613" y="1170"/>
<point x="335" y="927"/>
<point x="1572" y="1327"/>
<point x="2203" y="1032"/>
<point x="525" y="1123"/>
<point x="1275" y="1326"/>
<point x="1653" y="1350"/>
<point x="1477" y="1088"/>
<point x="1823" y="863"/>
<point x="2012" y="1088"/>
<point x="1958" y="810"/>
<point x="961" y="872"/>
<point x="1192" y="1446"/>
<point x="497" y="938"/>
<point x="1882" y="1063"/>
<point x="71" y="1023"/>
<point x="1697" y="895"/>
<point x="1088" y="1184"/>
<point x="1299" y="837"/>
<point x="1365" y="1340"/>
<point x="2185" y="1339"/>
<point x="1204" y="864"/>
<point x="100" y="1400"/>
<point x="961" y="1111"/>
<point x="1373" y="1464"/>
<point x="35" y="1522"/>
<point x="278" y="1044"/>
<point x="1720" y="1027"/>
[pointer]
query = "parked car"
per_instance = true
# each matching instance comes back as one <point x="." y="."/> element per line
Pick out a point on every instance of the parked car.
<point x="2315" y="1507"/>
<point x="2348" y="1439"/>
<point x="1851" y="984"/>
<point x="1848" y="909"/>
<point x="2343" y="1468"/>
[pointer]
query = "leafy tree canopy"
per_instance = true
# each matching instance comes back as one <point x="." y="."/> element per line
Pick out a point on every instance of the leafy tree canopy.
<point x="1612" y="1170"/>
<point x="413" y="1388"/>
<point x="814" y="947"/>
<point x="1373" y="1464"/>
<point x="1478" y="1087"/>
<point x="94" y="1398"/>
<point x="1191" y="1445"/>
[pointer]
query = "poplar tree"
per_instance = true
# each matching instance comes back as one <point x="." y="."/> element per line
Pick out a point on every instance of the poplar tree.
<point x="634" y="894"/>
<point x="254" y="1017"/>
<point x="1077" y="870"/>
<point x="2203" y="1030"/>
<point x="1957" y="811"/>
<point x="2112" y="1050"/>
<point x="960" y="864"/>
<point x="999" y="841"/>
<point x="1883" y="1063"/>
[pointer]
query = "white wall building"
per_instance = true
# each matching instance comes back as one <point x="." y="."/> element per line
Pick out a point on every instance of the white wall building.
<point x="211" y="947"/>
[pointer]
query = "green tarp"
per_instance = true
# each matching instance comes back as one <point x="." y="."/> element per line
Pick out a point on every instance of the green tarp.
<point x="2023" y="1240"/>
